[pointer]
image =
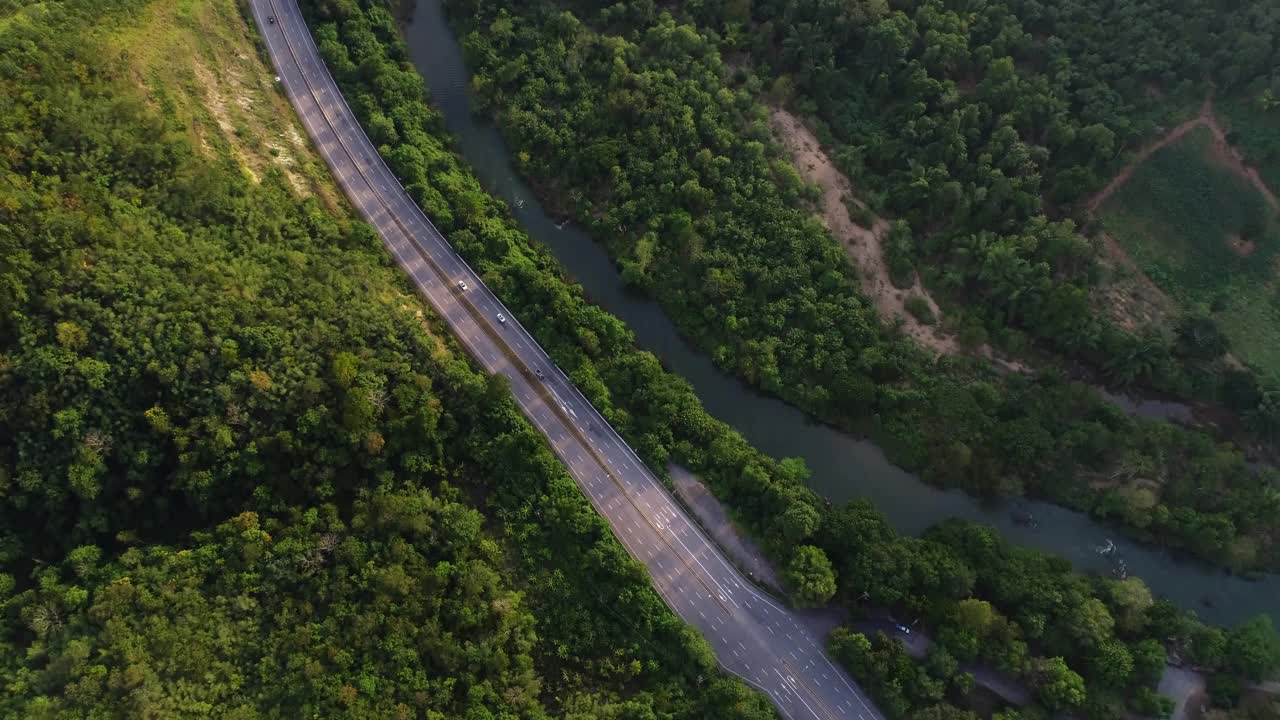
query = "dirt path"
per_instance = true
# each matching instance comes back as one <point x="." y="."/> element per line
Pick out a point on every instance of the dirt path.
<point x="1222" y="150"/>
<point x="863" y="244"/>
<point x="1141" y="300"/>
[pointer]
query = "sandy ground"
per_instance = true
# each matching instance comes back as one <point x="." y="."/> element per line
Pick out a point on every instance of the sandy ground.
<point x="863" y="244"/>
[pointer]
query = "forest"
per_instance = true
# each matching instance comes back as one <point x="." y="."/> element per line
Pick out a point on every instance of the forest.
<point x="241" y="475"/>
<point x="672" y="115"/>
<point x="986" y="125"/>
<point x="1089" y="643"/>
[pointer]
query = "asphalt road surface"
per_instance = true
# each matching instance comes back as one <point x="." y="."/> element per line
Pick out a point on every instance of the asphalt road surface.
<point x="753" y="636"/>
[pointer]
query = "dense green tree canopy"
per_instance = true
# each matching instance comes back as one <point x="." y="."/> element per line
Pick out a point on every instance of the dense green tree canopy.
<point x="1036" y="602"/>
<point x="243" y="474"/>
<point x="633" y="123"/>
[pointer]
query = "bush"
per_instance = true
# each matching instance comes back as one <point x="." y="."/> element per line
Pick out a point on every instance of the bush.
<point x="898" y="249"/>
<point x="919" y="308"/>
<point x="861" y="215"/>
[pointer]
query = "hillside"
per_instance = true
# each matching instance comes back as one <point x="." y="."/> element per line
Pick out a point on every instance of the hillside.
<point x="703" y="210"/>
<point x="242" y="471"/>
<point x="1076" y="640"/>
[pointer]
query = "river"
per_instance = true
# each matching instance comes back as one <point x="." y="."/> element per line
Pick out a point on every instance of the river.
<point x="843" y="467"/>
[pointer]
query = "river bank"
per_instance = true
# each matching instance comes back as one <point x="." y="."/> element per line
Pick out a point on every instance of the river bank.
<point x="1185" y="686"/>
<point x="842" y="467"/>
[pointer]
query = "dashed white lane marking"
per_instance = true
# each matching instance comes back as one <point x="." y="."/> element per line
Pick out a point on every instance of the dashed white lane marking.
<point x="402" y="250"/>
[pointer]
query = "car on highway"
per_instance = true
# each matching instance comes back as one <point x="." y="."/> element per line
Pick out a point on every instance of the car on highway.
<point x="502" y="318"/>
<point x="538" y="372"/>
<point x="903" y="628"/>
<point x="271" y="19"/>
<point x="462" y="285"/>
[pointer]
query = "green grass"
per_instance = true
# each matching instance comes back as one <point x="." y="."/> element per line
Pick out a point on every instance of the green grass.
<point x="1176" y="216"/>
<point x="1256" y="131"/>
<point x="198" y="60"/>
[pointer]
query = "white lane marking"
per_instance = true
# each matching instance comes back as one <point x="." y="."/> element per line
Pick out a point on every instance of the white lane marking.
<point x="436" y="240"/>
<point x="797" y="693"/>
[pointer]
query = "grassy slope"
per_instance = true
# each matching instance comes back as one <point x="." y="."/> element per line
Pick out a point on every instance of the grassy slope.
<point x="1256" y="132"/>
<point x="198" y="61"/>
<point x="224" y="92"/>
<point x="1175" y="217"/>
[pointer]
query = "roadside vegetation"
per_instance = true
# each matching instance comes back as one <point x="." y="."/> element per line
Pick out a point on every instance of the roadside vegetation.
<point x="1209" y="239"/>
<point x="1040" y="621"/>
<point x="703" y="211"/>
<point x="243" y="472"/>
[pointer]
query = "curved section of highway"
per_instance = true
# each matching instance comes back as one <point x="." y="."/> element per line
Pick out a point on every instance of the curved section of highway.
<point x="752" y="635"/>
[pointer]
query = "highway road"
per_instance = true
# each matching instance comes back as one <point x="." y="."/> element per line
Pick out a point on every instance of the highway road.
<point x="754" y="636"/>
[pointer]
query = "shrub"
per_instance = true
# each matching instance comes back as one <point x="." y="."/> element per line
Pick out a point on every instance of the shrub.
<point x="919" y="308"/>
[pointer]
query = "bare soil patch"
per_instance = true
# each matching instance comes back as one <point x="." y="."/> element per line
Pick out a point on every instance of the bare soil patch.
<point x="1240" y="245"/>
<point x="863" y="245"/>
<point x="712" y="516"/>
<point x="1130" y="297"/>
